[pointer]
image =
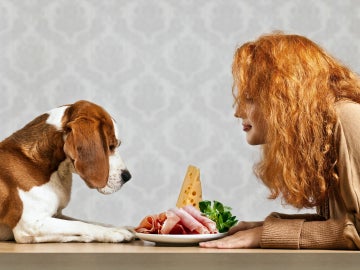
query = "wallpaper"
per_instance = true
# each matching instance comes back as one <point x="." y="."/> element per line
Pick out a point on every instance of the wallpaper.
<point x="162" y="69"/>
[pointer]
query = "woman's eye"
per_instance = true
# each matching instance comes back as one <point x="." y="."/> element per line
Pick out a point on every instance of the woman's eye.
<point x="112" y="147"/>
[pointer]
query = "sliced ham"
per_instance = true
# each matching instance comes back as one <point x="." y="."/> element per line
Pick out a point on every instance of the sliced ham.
<point x="179" y="229"/>
<point x="151" y="223"/>
<point x="147" y="224"/>
<point x="171" y="221"/>
<point x="186" y="220"/>
<point x="210" y="225"/>
<point x="189" y="221"/>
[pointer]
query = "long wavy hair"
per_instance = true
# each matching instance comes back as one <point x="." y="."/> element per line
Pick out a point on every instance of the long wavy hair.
<point x="296" y="83"/>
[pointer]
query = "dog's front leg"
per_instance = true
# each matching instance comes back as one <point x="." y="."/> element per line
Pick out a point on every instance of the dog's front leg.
<point x="59" y="230"/>
<point x="61" y="216"/>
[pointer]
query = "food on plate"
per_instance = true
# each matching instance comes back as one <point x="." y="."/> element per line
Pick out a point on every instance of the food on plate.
<point x="210" y="219"/>
<point x="218" y="213"/>
<point x="186" y="220"/>
<point x="191" y="192"/>
<point x="191" y="215"/>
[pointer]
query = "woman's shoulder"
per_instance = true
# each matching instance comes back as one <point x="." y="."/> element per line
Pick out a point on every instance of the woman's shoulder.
<point x="348" y="114"/>
<point x="347" y="109"/>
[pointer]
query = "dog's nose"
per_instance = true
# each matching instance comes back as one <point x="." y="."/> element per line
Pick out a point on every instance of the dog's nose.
<point x="125" y="175"/>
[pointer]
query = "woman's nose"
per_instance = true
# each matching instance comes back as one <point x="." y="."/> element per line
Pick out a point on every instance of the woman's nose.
<point x="239" y="113"/>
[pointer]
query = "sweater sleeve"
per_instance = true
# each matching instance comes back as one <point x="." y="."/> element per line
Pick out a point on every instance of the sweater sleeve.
<point x="296" y="232"/>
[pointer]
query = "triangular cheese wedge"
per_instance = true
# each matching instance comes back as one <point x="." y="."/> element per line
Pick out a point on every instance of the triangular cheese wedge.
<point x="191" y="192"/>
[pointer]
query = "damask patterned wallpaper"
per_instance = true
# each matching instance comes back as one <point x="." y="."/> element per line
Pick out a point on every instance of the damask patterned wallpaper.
<point x="162" y="69"/>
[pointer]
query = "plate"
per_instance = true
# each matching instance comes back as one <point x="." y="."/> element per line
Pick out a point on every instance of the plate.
<point x="179" y="238"/>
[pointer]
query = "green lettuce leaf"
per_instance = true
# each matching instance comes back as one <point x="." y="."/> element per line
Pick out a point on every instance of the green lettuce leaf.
<point x="219" y="213"/>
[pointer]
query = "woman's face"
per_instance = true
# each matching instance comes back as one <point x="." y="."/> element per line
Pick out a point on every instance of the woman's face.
<point x="253" y="123"/>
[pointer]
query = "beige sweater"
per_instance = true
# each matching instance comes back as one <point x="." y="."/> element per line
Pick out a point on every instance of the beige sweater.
<point x="341" y="230"/>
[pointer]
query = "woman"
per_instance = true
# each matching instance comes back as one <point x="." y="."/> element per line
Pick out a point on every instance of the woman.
<point x="303" y="107"/>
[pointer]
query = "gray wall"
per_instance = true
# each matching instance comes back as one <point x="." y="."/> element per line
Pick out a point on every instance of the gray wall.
<point x="162" y="69"/>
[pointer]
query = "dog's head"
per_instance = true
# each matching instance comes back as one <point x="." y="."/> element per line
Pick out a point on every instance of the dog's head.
<point x="91" y="143"/>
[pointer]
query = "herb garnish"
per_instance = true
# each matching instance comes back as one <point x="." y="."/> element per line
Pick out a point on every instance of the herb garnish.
<point x="219" y="213"/>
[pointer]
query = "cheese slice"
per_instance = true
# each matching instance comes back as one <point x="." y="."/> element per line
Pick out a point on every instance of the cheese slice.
<point x="191" y="192"/>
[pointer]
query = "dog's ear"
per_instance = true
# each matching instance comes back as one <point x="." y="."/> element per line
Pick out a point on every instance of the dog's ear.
<point x="84" y="145"/>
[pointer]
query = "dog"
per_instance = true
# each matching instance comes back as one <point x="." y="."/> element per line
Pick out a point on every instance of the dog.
<point x="36" y="166"/>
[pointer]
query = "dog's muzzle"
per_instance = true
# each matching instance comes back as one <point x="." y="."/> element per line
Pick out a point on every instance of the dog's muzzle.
<point x="115" y="182"/>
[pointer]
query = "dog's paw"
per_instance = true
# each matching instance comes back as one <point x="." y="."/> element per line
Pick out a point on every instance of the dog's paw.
<point x="118" y="235"/>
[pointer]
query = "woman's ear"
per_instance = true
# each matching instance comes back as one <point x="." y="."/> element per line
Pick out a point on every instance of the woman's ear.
<point x="85" y="147"/>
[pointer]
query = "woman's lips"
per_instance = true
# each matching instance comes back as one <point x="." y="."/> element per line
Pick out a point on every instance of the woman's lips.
<point x="246" y="127"/>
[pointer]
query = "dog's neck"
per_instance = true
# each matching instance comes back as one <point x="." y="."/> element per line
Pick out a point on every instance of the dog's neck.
<point x="63" y="180"/>
<point x="38" y="144"/>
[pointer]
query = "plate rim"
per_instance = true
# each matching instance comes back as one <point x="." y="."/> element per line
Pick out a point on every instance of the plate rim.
<point x="179" y="238"/>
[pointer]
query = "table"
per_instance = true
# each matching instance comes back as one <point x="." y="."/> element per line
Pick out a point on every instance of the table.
<point x="147" y="255"/>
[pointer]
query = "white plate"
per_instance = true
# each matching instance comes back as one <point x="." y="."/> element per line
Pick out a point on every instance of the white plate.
<point x="179" y="238"/>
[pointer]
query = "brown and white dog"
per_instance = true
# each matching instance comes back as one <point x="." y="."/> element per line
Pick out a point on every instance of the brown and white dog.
<point x="36" y="166"/>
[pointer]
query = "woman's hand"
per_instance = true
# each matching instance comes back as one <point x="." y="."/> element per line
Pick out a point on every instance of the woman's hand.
<point x="245" y="225"/>
<point x="242" y="235"/>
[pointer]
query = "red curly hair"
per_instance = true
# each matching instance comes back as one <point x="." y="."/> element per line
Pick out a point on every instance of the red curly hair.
<point x="296" y="83"/>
